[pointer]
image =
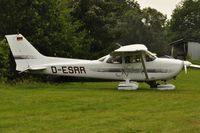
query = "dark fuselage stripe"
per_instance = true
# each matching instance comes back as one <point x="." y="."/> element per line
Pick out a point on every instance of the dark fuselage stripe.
<point x="19" y="57"/>
<point x="133" y="70"/>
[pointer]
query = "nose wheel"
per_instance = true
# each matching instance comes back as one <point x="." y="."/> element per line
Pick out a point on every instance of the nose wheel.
<point x="166" y="87"/>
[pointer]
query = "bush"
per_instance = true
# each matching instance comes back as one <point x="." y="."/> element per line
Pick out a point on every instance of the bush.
<point x="4" y="59"/>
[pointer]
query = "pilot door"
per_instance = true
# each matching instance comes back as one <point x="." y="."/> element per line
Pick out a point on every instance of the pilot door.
<point x="133" y="67"/>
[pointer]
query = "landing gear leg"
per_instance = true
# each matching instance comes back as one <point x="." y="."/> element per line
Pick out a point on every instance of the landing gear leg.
<point x="152" y="84"/>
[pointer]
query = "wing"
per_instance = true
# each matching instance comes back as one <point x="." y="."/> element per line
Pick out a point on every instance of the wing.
<point x="130" y="49"/>
<point x="34" y="68"/>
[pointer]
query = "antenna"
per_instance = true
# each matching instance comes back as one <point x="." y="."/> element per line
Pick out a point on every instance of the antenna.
<point x="118" y="44"/>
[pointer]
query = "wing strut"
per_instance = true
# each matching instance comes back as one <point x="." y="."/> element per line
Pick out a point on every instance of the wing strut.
<point x="144" y="65"/>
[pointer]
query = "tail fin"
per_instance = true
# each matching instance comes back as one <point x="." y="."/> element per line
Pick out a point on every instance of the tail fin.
<point x="23" y="52"/>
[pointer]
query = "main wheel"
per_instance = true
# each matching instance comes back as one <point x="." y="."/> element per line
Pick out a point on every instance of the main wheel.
<point x="152" y="84"/>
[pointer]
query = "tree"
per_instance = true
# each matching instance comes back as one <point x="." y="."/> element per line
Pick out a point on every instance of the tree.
<point x="46" y="24"/>
<point x="185" y="22"/>
<point x="145" y="26"/>
<point x="155" y="23"/>
<point x="131" y="27"/>
<point x="99" y="18"/>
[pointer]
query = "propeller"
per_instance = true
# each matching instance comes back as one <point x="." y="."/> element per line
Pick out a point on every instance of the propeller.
<point x="118" y="44"/>
<point x="189" y="64"/>
<point x="185" y="68"/>
<point x="185" y="65"/>
<point x="195" y="66"/>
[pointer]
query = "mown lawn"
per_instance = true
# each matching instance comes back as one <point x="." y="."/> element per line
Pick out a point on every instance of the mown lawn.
<point x="100" y="108"/>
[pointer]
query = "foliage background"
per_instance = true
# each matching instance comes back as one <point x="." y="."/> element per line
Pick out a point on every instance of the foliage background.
<point x="89" y="29"/>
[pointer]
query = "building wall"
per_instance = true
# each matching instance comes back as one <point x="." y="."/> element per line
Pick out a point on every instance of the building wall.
<point x="179" y="51"/>
<point x="194" y="50"/>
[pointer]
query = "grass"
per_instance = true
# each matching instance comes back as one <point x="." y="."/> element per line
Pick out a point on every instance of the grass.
<point x="100" y="108"/>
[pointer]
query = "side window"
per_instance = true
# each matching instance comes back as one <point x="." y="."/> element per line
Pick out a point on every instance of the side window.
<point x="133" y="59"/>
<point x="128" y="59"/>
<point x="115" y="60"/>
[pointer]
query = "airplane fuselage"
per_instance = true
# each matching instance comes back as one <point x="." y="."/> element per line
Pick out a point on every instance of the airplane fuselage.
<point x="158" y="69"/>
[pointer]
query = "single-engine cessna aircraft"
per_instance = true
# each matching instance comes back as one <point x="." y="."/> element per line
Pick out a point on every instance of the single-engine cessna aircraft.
<point x="129" y="63"/>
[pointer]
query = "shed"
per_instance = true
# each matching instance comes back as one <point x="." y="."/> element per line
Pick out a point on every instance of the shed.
<point x="181" y="49"/>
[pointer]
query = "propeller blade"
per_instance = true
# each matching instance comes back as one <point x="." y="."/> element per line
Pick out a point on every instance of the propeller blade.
<point x="185" y="68"/>
<point x="195" y="66"/>
<point x="185" y="65"/>
<point x="189" y="64"/>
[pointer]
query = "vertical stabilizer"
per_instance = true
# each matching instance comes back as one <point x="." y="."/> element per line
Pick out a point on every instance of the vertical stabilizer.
<point x="23" y="52"/>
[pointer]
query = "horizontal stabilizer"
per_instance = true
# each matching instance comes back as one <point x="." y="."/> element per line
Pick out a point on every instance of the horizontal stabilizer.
<point x="37" y="68"/>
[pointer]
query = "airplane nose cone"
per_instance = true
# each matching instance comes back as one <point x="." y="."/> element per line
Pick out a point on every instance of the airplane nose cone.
<point x="187" y="63"/>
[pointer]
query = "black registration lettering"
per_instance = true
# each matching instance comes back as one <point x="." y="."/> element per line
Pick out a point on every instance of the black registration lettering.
<point x="64" y="69"/>
<point x="53" y="69"/>
<point x="70" y="69"/>
<point x="76" y="70"/>
<point x="82" y="70"/>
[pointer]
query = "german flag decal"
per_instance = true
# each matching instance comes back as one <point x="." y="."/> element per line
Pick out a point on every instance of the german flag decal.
<point x="19" y="38"/>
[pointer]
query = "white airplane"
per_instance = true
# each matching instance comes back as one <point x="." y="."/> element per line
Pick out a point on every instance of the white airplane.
<point x="128" y="63"/>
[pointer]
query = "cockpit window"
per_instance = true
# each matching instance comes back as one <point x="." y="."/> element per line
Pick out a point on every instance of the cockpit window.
<point x="149" y="57"/>
<point x="115" y="60"/>
<point x="129" y="58"/>
<point x="132" y="59"/>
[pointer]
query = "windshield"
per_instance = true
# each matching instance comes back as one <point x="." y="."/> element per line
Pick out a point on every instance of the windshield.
<point x="102" y="59"/>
